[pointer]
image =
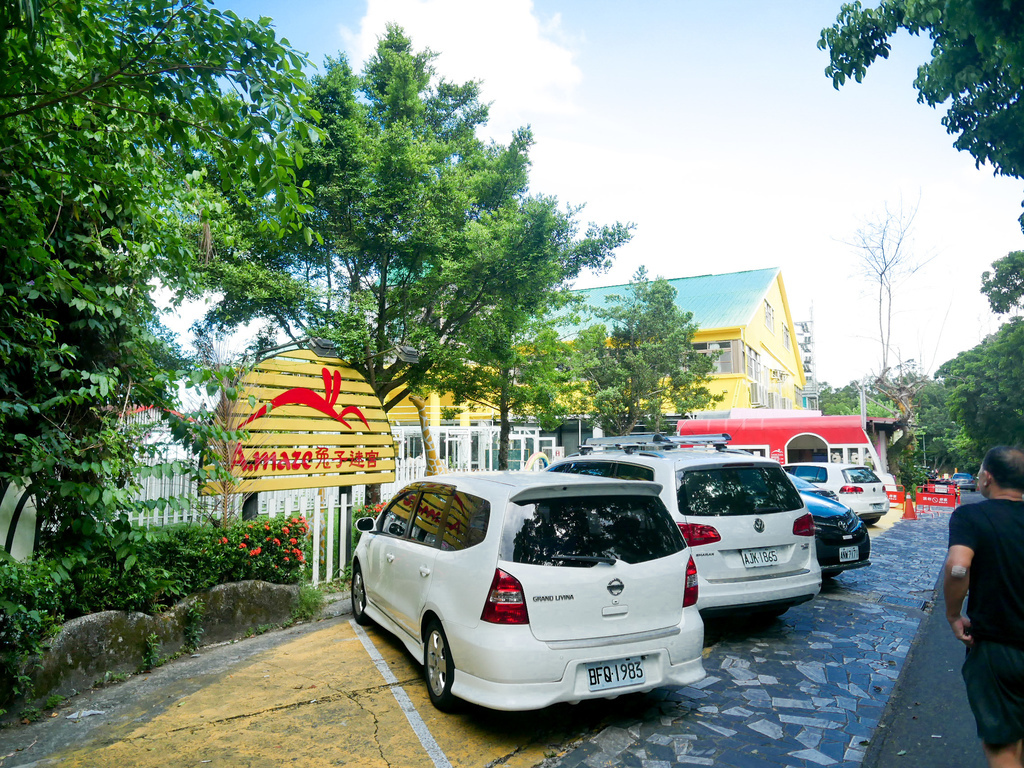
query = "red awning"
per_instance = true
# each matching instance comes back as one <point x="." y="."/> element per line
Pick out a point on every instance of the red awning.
<point x="777" y="432"/>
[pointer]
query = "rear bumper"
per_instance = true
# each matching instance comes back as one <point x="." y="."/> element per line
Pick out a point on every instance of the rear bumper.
<point x="828" y="555"/>
<point x="730" y="597"/>
<point x="573" y="686"/>
<point x="506" y="668"/>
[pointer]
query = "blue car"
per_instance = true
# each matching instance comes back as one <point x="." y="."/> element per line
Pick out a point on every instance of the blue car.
<point x="840" y="536"/>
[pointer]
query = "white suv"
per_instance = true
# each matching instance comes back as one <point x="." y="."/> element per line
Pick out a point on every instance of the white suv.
<point x="856" y="486"/>
<point x="519" y="589"/>
<point x="751" y="535"/>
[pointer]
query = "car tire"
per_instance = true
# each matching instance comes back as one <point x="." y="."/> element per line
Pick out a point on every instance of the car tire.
<point x="359" y="597"/>
<point x="439" y="668"/>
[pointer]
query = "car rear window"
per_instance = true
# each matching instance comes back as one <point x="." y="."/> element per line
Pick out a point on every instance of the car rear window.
<point x="736" y="490"/>
<point x="860" y="475"/>
<point x="811" y="474"/>
<point x="587" y="530"/>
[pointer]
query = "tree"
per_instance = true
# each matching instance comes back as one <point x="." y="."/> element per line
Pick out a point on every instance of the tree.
<point x="519" y="364"/>
<point x="103" y="108"/>
<point x="976" y="67"/>
<point x="845" y="401"/>
<point x="945" y="446"/>
<point x="642" y="361"/>
<point x="425" y="230"/>
<point x="886" y="254"/>
<point x="1004" y="286"/>
<point x="985" y="387"/>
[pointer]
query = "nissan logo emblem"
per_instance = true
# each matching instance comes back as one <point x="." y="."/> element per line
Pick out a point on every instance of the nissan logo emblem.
<point x="759" y="525"/>
<point x="615" y="587"/>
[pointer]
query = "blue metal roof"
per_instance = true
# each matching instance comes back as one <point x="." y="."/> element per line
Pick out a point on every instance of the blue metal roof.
<point x="716" y="301"/>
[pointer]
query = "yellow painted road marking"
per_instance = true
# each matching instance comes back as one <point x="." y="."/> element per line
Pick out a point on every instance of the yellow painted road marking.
<point x="319" y="701"/>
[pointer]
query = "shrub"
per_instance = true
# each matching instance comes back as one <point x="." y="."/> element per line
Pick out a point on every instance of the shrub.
<point x="163" y="567"/>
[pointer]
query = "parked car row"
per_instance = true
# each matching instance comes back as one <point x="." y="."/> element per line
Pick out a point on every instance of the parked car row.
<point x="519" y="590"/>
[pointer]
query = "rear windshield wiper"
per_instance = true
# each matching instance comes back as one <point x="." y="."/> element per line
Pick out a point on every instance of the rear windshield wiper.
<point x="585" y="559"/>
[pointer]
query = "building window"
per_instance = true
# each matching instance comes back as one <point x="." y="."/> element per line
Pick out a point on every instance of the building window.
<point x="753" y="365"/>
<point x="787" y="342"/>
<point x="721" y="348"/>
<point x="769" y="316"/>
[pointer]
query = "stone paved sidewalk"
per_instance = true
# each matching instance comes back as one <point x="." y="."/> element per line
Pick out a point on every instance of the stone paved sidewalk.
<point x="804" y="690"/>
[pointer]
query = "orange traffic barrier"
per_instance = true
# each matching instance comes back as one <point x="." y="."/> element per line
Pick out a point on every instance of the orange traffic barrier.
<point x="908" y="510"/>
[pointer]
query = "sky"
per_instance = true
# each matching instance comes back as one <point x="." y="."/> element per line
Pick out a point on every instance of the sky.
<point x="712" y="128"/>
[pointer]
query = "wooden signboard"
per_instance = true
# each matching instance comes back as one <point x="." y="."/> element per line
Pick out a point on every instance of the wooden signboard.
<point x="313" y="422"/>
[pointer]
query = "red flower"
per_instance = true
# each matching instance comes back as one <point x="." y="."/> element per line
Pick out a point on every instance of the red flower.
<point x="277" y="542"/>
<point x="285" y="530"/>
<point x="267" y="539"/>
<point x="247" y="535"/>
<point x="223" y="539"/>
<point x="267" y="527"/>
<point x="287" y="560"/>
<point x="242" y="545"/>
<point x="293" y="542"/>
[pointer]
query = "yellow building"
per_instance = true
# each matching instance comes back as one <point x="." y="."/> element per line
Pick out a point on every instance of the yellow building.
<point x="745" y="317"/>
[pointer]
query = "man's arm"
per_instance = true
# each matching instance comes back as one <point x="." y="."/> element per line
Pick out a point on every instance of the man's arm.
<point x="955" y="583"/>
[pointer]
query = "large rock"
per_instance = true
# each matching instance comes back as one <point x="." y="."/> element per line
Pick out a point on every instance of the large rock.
<point x="114" y="642"/>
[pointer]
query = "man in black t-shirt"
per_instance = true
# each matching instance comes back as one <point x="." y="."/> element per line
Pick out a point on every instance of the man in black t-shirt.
<point x="985" y="564"/>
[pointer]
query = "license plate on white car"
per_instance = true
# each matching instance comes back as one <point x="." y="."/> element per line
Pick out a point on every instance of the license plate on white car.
<point x="878" y="506"/>
<point x="758" y="558"/>
<point x="615" y="673"/>
<point x="848" y="554"/>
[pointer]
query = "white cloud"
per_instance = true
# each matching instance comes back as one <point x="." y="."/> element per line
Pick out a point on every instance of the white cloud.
<point x="525" y="63"/>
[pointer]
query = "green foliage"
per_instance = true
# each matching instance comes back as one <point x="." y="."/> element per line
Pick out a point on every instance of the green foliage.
<point x="1004" y="286"/>
<point x="106" y="107"/>
<point x="845" y="401"/>
<point x="36" y="597"/>
<point x="519" y="363"/>
<point x="645" y="361"/>
<point x="976" y="67"/>
<point x="426" y="234"/>
<point x="194" y="624"/>
<point x="985" y="389"/>
<point x="311" y="600"/>
<point x="942" y="444"/>
<point x="151" y="653"/>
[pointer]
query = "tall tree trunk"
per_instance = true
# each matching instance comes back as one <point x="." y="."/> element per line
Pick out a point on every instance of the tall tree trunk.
<point x="506" y="425"/>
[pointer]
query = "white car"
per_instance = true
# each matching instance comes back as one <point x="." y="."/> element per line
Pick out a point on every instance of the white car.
<point x="518" y="590"/>
<point x="749" y="531"/>
<point x="855" y="485"/>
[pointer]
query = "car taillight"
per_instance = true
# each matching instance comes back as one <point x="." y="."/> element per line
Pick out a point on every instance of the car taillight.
<point x="505" y="601"/>
<point x="697" y="534"/>
<point x="690" y="590"/>
<point x="803" y="525"/>
<point x="851" y="489"/>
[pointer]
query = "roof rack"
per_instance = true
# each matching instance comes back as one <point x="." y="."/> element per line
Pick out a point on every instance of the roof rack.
<point x="655" y="441"/>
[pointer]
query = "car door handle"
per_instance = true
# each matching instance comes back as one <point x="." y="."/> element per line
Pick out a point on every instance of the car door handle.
<point x="390" y="556"/>
<point x="424" y="571"/>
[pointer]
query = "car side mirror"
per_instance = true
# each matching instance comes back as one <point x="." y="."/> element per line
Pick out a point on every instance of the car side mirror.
<point x="365" y="524"/>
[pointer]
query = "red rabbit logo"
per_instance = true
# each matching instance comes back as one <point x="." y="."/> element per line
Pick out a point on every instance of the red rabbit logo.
<point x="323" y="403"/>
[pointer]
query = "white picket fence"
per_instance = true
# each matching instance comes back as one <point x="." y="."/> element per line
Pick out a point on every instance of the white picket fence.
<point x="327" y="511"/>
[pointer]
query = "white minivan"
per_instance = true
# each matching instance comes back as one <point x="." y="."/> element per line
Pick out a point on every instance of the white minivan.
<point x="518" y="590"/>
<point x="750" y="533"/>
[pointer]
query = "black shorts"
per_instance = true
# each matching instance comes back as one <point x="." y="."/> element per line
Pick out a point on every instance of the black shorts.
<point x="994" y="675"/>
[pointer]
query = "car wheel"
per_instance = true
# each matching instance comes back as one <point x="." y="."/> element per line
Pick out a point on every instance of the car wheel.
<point x="439" y="668"/>
<point x="359" y="597"/>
